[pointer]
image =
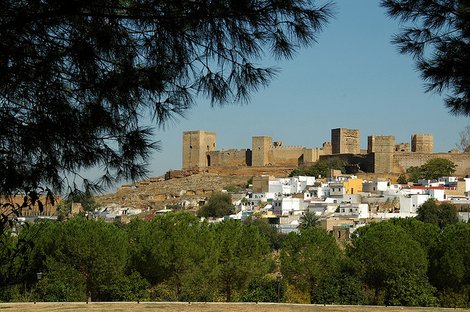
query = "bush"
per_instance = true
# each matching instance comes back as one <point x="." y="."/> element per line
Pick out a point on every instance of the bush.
<point x="217" y="206"/>
<point x="321" y="168"/>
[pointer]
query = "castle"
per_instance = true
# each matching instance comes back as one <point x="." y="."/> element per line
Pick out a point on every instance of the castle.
<point x="383" y="154"/>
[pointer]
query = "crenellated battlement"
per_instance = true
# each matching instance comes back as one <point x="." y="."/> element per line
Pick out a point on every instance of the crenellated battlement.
<point x="199" y="152"/>
<point x="292" y="147"/>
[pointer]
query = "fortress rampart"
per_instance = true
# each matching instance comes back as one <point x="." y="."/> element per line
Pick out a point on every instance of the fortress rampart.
<point x="229" y="158"/>
<point x="402" y="161"/>
<point x="383" y="155"/>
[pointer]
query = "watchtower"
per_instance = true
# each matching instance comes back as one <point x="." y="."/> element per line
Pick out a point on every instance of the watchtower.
<point x="380" y="144"/>
<point x="261" y="146"/>
<point x="196" y="144"/>
<point x="422" y="143"/>
<point x="345" y="141"/>
<point x="382" y="147"/>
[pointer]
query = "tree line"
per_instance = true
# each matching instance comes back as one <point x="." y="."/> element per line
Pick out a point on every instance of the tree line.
<point x="175" y="257"/>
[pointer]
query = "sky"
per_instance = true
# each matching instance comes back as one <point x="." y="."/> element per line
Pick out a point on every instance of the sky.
<point x="352" y="78"/>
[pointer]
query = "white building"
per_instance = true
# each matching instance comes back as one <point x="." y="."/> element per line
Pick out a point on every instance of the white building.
<point x="375" y="186"/>
<point x="319" y="190"/>
<point x="337" y="189"/>
<point x="324" y="208"/>
<point x="467" y="184"/>
<point x="428" y="183"/>
<point x="288" y="206"/>
<point x="448" y="181"/>
<point x="410" y="203"/>
<point x="291" y="185"/>
<point x="360" y="211"/>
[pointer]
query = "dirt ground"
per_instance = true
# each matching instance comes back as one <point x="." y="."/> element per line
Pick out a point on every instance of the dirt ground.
<point x="203" y="307"/>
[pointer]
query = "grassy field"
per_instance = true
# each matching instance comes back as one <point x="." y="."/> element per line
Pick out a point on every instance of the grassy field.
<point x="203" y="307"/>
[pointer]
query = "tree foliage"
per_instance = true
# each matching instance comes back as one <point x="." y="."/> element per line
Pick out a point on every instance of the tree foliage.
<point x="244" y="257"/>
<point x="76" y="78"/>
<point x="178" y="252"/>
<point x="308" y="259"/>
<point x="432" y="170"/>
<point x="321" y="168"/>
<point x="269" y="231"/>
<point x="425" y="233"/>
<point x="450" y="272"/>
<point x="95" y="252"/>
<point x="218" y="205"/>
<point x="176" y="257"/>
<point x="308" y="220"/>
<point x="437" y="36"/>
<point x="391" y="262"/>
<point x="437" y="214"/>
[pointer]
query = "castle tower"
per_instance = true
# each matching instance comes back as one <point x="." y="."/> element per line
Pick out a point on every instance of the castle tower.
<point x="422" y="143"/>
<point x="345" y="141"/>
<point x="261" y="146"/>
<point x="382" y="147"/>
<point x="196" y="144"/>
<point x="380" y="144"/>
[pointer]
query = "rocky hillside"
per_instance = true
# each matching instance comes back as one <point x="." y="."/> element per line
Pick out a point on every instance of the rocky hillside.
<point x="158" y="193"/>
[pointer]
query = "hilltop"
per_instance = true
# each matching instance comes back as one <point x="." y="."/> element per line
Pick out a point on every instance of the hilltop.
<point x="188" y="188"/>
<point x="156" y="193"/>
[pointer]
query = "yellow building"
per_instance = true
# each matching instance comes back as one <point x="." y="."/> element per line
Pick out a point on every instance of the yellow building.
<point x="353" y="186"/>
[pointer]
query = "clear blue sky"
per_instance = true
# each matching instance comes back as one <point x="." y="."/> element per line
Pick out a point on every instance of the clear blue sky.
<point x="353" y="78"/>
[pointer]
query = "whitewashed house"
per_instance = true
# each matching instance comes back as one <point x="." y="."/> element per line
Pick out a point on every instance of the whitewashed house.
<point x="375" y="186"/>
<point x="410" y="203"/>
<point x="288" y="206"/>
<point x="359" y="211"/>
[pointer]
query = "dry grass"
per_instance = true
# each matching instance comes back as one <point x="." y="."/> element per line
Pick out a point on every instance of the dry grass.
<point x="203" y="307"/>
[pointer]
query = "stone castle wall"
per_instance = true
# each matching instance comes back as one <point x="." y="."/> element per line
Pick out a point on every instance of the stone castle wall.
<point x="402" y="148"/>
<point x="402" y="161"/>
<point x="286" y="157"/>
<point x="383" y="155"/>
<point x="230" y="158"/>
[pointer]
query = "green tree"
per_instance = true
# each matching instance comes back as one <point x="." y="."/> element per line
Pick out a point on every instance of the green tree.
<point x="450" y="270"/>
<point x="177" y="254"/>
<point x="428" y="212"/>
<point x="14" y="256"/>
<point x="391" y="261"/>
<point x="402" y="179"/>
<point x="244" y="256"/>
<point x="321" y="167"/>
<point x="308" y="220"/>
<point x="448" y="214"/>
<point x="425" y="233"/>
<point x="263" y="289"/>
<point x="308" y="259"/>
<point x="61" y="282"/>
<point x="218" y="205"/>
<point x="438" y="167"/>
<point x="440" y="215"/>
<point x="78" y="78"/>
<point x="437" y="37"/>
<point x="269" y="231"/>
<point x="95" y="252"/>
<point x="432" y="169"/>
